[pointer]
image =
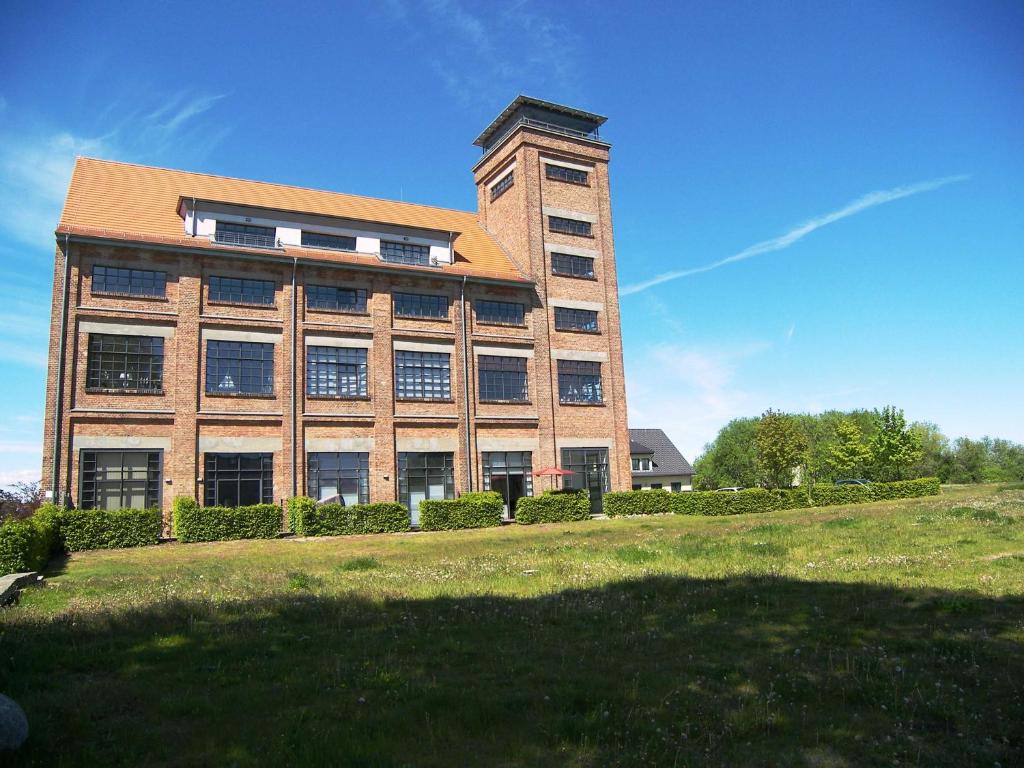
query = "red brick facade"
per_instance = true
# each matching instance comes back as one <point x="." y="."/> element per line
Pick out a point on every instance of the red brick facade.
<point x="184" y="420"/>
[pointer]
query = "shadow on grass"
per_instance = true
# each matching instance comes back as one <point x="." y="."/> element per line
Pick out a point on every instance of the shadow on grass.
<point x="658" y="671"/>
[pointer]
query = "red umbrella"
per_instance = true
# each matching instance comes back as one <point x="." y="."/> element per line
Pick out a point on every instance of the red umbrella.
<point x="553" y="472"/>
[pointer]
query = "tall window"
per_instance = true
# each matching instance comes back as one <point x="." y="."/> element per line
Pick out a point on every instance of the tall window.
<point x="336" y="299"/>
<point x="579" y="381"/>
<point x="344" y="475"/>
<point x="589" y="467"/>
<point x="239" y="479"/>
<point x="405" y="253"/>
<point x="422" y="375"/>
<point x="503" y="184"/>
<point x="567" y="319"/>
<point x="332" y="242"/>
<point x="500" y="312"/>
<point x="335" y="372"/>
<point x="248" y="235"/>
<point x="242" y="291"/>
<point x="125" y="362"/>
<point x="572" y="266"/>
<point x="569" y="226"/>
<point x="509" y="473"/>
<point x="239" y="367"/>
<point x="502" y="378"/>
<point x="571" y="175"/>
<point x="120" y="479"/>
<point x="420" y="305"/>
<point x="424" y="476"/>
<point x="128" y="282"/>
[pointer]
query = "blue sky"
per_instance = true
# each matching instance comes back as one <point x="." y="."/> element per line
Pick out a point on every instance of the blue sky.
<point x="864" y="163"/>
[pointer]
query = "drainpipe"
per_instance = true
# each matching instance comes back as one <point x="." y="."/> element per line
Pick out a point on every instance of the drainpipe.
<point x="465" y="380"/>
<point x="295" y="315"/>
<point x="59" y="384"/>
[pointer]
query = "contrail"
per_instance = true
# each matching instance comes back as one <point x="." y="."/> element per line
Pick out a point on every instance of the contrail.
<point x="869" y="200"/>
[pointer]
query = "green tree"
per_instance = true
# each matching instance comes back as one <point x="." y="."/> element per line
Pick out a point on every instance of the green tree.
<point x="781" y="448"/>
<point x="970" y="458"/>
<point x="894" y="448"/>
<point x="936" y="455"/>
<point x="1005" y="460"/>
<point x="730" y="459"/>
<point x="848" y="455"/>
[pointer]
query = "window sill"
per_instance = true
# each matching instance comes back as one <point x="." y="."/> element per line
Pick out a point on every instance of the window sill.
<point x="444" y="319"/>
<point x="570" y="234"/>
<point x="246" y="395"/>
<point x="350" y="398"/>
<point x="591" y="278"/>
<point x="122" y="391"/>
<point x="423" y="400"/>
<point x="578" y="330"/>
<point x="330" y="311"/>
<point x="256" y="304"/>
<point x="505" y="402"/>
<point x="578" y="403"/>
<point x="493" y="324"/>
<point x="140" y="296"/>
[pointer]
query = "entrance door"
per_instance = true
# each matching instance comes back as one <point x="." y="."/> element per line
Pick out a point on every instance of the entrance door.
<point x="500" y="485"/>
<point x="516" y="489"/>
<point x="417" y="493"/>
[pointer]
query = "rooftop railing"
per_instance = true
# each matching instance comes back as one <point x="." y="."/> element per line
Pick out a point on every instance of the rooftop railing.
<point x="245" y="239"/>
<point x="529" y="122"/>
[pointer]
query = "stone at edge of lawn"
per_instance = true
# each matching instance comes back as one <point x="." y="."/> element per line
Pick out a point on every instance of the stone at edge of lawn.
<point x="13" y="724"/>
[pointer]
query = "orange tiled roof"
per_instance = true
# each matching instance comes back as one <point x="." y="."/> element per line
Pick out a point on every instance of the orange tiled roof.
<point x="140" y="203"/>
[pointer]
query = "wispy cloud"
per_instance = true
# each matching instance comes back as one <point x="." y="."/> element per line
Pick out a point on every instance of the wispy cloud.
<point x="863" y="203"/>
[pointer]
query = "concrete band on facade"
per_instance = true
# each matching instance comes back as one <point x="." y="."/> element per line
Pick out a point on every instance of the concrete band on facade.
<point x="423" y="346"/>
<point x="595" y="306"/>
<point x="502" y="174"/>
<point x="566" y="213"/>
<point x="571" y="250"/>
<point x="239" y="444"/>
<point x="503" y="351"/>
<point x="119" y="442"/>
<point x="338" y="341"/>
<point x="508" y="444"/>
<point x="566" y="164"/>
<point x="338" y="444"/>
<point x="223" y="334"/>
<point x="584" y="442"/>
<point x="579" y="354"/>
<point x="124" y="329"/>
<point x="427" y="444"/>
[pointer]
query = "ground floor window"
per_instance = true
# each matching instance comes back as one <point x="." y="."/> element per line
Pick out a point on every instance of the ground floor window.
<point x="637" y="487"/>
<point x="239" y="479"/>
<point x="590" y="472"/>
<point x="677" y="487"/>
<point x="341" y="477"/>
<point x="509" y="473"/>
<point x="120" y="479"/>
<point x="425" y="476"/>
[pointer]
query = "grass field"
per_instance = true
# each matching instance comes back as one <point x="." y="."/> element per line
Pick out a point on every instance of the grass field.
<point x="884" y="634"/>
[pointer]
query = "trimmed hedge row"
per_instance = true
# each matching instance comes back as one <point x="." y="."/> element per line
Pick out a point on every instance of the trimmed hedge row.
<point x="195" y="523"/>
<point x="481" y="509"/>
<point x="754" y="500"/>
<point x="109" y="528"/>
<point x="26" y="545"/>
<point x="553" y="507"/>
<point x="307" y="518"/>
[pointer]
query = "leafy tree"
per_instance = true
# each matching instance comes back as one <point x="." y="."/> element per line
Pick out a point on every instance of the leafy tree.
<point x="936" y="454"/>
<point x="894" y="448"/>
<point x="781" y="448"/>
<point x="969" y="460"/>
<point x="20" y="500"/>
<point x="848" y="455"/>
<point x="730" y="459"/>
<point x="1005" y="460"/>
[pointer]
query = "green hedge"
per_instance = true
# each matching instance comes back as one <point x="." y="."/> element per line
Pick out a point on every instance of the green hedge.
<point x="307" y="518"/>
<point x="110" y="528"/>
<point x="26" y="545"/>
<point x="470" y="510"/>
<point x="552" y="507"/>
<point x="195" y="523"/>
<point x="752" y="500"/>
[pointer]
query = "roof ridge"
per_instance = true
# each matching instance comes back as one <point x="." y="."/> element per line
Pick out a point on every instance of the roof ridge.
<point x="106" y="161"/>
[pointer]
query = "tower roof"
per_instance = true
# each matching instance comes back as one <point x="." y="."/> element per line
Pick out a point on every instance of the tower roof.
<point x="576" y="120"/>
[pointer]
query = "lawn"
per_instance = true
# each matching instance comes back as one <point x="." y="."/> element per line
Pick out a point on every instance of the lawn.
<point x="883" y="634"/>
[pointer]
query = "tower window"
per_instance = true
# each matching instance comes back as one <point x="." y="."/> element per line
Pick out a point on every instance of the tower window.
<point x="571" y="175"/>
<point x="503" y="184"/>
<point x="570" y="226"/>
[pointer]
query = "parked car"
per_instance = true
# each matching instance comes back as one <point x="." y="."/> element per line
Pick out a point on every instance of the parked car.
<point x="732" y="489"/>
<point x="853" y="481"/>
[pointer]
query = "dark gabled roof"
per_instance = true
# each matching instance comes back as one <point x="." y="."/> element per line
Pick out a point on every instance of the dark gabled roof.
<point x="667" y="458"/>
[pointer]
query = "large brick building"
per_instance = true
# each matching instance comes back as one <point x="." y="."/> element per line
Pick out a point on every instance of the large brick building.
<point x="240" y="341"/>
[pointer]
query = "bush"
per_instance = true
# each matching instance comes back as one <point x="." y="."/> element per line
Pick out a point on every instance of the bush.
<point x="110" y="528"/>
<point x="307" y="518"/>
<point x="51" y="515"/>
<point x="831" y="495"/>
<point x="906" y="489"/>
<point x="749" y="501"/>
<point x="653" y="502"/>
<point x="26" y="545"/>
<point x="553" y="507"/>
<point x="195" y="523"/>
<point x="470" y="510"/>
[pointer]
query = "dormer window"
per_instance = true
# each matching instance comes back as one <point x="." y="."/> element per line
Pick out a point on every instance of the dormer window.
<point x="247" y="235"/>
<point x="642" y="464"/>
<point x="331" y="242"/>
<point x="405" y="253"/>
